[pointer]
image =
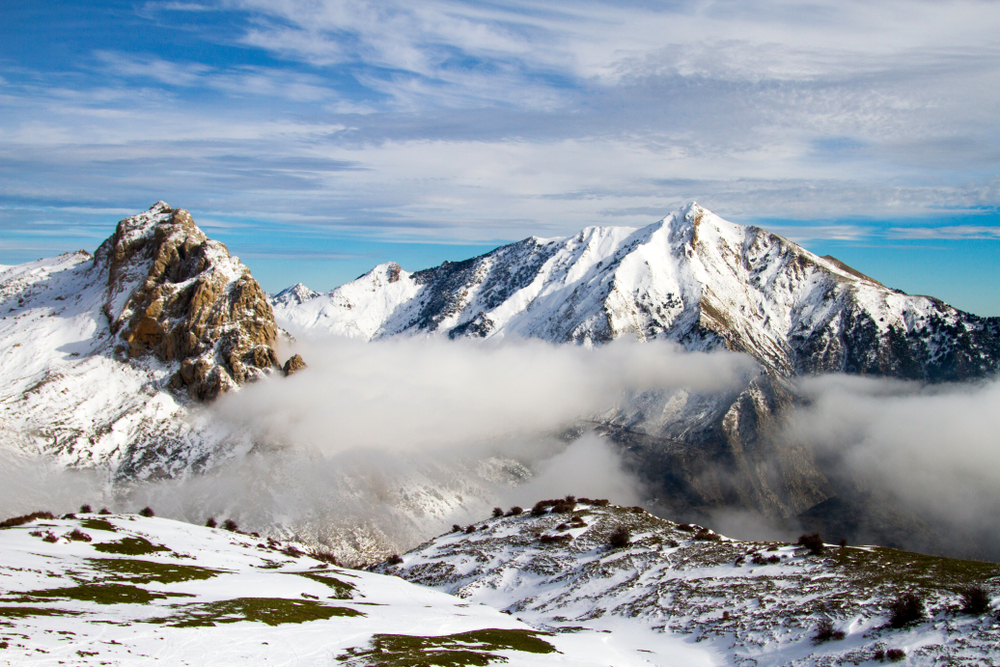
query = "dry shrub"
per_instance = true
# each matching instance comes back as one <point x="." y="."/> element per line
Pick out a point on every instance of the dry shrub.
<point x="620" y="537"/>
<point x="211" y="523"/>
<point x="85" y="509"/>
<point x="230" y="525"/>
<point x="515" y="511"/>
<point x="975" y="600"/>
<point x="497" y="512"/>
<point x="78" y="535"/>
<point x="814" y="543"/>
<point x="895" y="655"/>
<point x="687" y="528"/>
<point x="470" y="528"/>
<point x="146" y="512"/>
<point x="707" y="535"/>
<point x="556" y="539"/>
<point x="27" y="518"/>
<point x="825" y="632"/>
<point x="906" y="609"/>
<point x="394" y="559"/>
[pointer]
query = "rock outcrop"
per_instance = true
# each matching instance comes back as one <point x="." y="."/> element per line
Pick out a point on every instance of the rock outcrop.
<point x="176" y="295"/>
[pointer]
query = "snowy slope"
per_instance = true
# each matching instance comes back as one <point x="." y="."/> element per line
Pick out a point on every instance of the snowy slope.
<point x="124" y="590"/>
<point x="741" y="603"/>
<point x="691" y="277"/>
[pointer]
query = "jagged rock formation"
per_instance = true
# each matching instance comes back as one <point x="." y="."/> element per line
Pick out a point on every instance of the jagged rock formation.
<point x="178" y="295"/>
<point x="109" y="354"/>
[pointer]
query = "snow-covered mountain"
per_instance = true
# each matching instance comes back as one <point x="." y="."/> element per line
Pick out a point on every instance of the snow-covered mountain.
<point x="706" y="284"/>
<point x="692" y="277"/>
<point x="105" y="354"/>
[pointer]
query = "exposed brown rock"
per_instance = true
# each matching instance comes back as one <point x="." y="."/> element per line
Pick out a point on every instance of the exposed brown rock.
<point x="177" y="295"/>
<point x="294" y="363"/>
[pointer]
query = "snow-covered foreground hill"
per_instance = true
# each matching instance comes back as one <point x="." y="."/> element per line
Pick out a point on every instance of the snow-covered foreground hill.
<point x="122" y="589"/>
<point x="741" y="603"/>
<point x="129" y="590"/>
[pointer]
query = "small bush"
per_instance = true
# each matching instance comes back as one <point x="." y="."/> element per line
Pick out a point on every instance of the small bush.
<point x="85" y="509"/>
<point x="707" y="535"/>
<point x="455" y="528"/>
<point x="843" y="542"/>
<point x="497" y="512"/>
<point x="78" y="535"/>
<point x="825" y="632"/>
<point x="515" y="511"/>
<point x="561" y="527"/>
<point x="975" y="600"/>
<point x="558" y="539"/>
<point x="578" y="522"/>
<point x="814" y="543"/>
<point x="211" y="522"/>
<point x="895" y="655"/>
<point x="564" y="506"/>
<point x="68" y="516"/>
<point x="620" y="537"/>
<point x="601" y="502"/>
<point x="324" y="557"/>
<point x="50" y="537"/>
<point x="687" y="528"/>
<point x="539" y="508"/>
<point x="570" y="500"/>
<point x="230" y="525"/>
<point x="104" y="510"/>
<point x="906" y="609"/>
<point x="146" y="512"/>
<point x="27" y="518"/>
<point x="394" y="559"/>
<point x="470" y="528"/>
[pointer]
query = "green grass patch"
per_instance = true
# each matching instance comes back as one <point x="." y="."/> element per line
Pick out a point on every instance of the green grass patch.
<point x="458" y="650"/>
<point x="102" y="593"/>
<point x="144" y="571"/>
<point x="98" y="524"/>
<point x="23" y="612"/>
<point x="342" y="590"/>
<point x="130" y="546"/>
<point x="904" y="569"/>
<point x="272" y="611"/>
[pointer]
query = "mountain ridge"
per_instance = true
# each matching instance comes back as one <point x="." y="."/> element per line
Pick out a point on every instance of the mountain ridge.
<point x="692" y="278"/>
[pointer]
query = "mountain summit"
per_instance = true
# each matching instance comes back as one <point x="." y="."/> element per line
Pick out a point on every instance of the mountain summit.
<point x="691" y="277"/>
<point x="107" y="352"/>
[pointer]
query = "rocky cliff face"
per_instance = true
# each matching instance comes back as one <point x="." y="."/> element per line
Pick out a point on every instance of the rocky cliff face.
<point x="175" y="294"/>
<point x="109" y="355"/>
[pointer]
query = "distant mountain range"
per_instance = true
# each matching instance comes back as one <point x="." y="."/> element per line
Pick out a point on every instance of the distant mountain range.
<point x="706" y="284"/>
<point x="692" y="277"/>
<point x="107" y="357"/>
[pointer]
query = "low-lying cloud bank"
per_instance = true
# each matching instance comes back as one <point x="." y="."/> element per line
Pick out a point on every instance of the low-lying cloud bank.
<point x="426" y="393"/>
<point x="377" y="446"/>
<point x="934" y="449"/>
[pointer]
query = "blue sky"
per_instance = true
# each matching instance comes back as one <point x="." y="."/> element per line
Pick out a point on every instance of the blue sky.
<point x="319" y="138"/>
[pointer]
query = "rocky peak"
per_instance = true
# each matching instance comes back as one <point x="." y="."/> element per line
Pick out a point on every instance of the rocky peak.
<point x="296" y="294"/>
<point x="176" y="295"/>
